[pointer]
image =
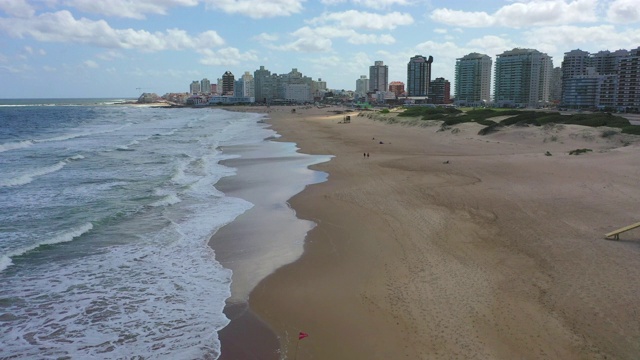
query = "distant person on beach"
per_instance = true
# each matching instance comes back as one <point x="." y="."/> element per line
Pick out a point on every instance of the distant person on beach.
<point x="367" y="154"/>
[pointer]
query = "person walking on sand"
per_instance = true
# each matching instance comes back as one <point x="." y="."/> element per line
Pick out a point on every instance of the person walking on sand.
<point x="367" y="154"/>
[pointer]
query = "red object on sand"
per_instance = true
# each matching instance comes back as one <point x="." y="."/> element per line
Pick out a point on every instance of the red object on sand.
<point x="302" y="335"/>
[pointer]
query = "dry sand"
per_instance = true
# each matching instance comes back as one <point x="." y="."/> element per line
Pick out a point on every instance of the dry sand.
<point x="497" y="254"/>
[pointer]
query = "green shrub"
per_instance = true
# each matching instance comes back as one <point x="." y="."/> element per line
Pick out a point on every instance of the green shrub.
<point x="434" y="116"/>
<point x="632" y="129"/>
<point x="490" y="129"/>
<point x="579" y="151"/>
<point x="608" y="133"/>
<point x="384" y="111"/>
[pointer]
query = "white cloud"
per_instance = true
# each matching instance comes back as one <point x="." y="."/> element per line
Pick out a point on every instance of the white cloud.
<point x="28" y="50"/>
<point x="462" y="18"/>
<point x="523" y="14"/>
<point x="320" y="39"/>
<point x="127" y="8"/>
<point x="353" y="19"/>
<point x="360" y="39"/>
<point x="623" y="11"/>
<point x="440" y="31"/>
<point x="257" y="9"/>
<point x="490" y="45"/>
<point x="381" y="4"/>
<point x="3" y="58"/>
<point x="48" y="68"/>
<point x="266" y="38"/>
<point x="61" y="26"/>
<point x="18" y="8"/>
<point x="91" y="64"/>
<point x="110" y="55"/>
<point x="374" y="4"/>
<point x="306" y="42"/>
<point x="226" y="56"/>
<point x="42" y="52"/>
<point x="594" y="38"/>
<point x="15" y="69"/>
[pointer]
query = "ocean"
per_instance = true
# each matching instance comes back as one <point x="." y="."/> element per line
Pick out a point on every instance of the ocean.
<point x="105" y="215"/>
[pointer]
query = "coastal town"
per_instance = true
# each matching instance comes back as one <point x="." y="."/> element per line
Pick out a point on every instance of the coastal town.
<point x="522" y="78"/>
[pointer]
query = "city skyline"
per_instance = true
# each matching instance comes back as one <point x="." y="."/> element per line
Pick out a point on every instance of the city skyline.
<point x="80" y="48"/>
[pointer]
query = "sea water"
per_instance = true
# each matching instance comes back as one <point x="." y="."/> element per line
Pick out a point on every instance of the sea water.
<point x="105" y="214"/>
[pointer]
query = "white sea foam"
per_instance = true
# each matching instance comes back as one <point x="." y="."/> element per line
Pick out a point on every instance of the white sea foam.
<point x="143" y="283"/>
<point x="167" y="200"/>
<point x="15" y="145"/>
<point x="5" y="262"/>
<point x="30" y="176"/>
<point x="57" y="239"/>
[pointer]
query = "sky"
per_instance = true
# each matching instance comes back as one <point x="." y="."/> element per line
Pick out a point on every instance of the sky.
<point x="121" y="48"/>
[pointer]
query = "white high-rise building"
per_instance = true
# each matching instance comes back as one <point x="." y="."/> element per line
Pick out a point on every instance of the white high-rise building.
<point x="195" y="88"/>
<point x="473" y="80"/>
<point x="248" y="84"/>
<point x="522" y="78"/>
<point x="205" y="86"/>
<point x="362" y="86"/>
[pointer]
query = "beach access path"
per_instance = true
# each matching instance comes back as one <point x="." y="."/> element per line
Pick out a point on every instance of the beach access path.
<point x="447" y="244"/>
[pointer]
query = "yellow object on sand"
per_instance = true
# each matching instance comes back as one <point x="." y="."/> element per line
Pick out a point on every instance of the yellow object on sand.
<point x="615" y="234"/>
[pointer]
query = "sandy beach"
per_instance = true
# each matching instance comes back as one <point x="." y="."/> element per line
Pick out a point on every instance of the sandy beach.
<point x="448" y="244"/>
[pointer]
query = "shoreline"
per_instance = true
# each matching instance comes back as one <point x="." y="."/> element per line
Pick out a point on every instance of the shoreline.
<point x="267" y="174"/>
<point x="457" y="245"/>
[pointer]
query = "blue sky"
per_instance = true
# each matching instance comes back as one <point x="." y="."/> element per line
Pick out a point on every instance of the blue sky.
<point x="110" y="48"/>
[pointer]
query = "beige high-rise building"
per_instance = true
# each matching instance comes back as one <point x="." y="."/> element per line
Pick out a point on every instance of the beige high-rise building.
<point x="522" y="78"/>
<point x="473" y="80"/>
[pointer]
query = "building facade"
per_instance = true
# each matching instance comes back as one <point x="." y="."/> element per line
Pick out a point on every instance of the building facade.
<point x="194" y="88"/>
<point x="228" y="83"/>
<point x="397" y="87"/>
<point x="473" y="80"/>
<point x="628" y="92"/>
<point x="205" y="86"/>
<point x="419" y="76"/>
<point x="362" y="86"/>
<point x="248" y="85"/>
<point x="378" y="77"/>
<point x="440" y="91"/>
<point x="555" y="93"/>
<point x="594" y="80"/>
<point x="522" y="78"/>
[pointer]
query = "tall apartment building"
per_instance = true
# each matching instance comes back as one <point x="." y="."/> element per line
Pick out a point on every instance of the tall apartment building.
<point x="522" y="78"/>
<point x="248" y="85"/>
<point x="591" y="80"/>
<point x="318" y="88"/>
<point x="419" y="75"/>
<point x="264" y="87"/>
<point x="205" y="86"/>
<point x="194" y="88"/>
<point x="440" y="91"/>
<point x="228" y="83"/>
<point x="362" y="86"/>
<point x="628" y="92"/>
<point x="579" y="80"/>
<point x="378" y="77"/>
<point x="555" y="92"/>
<point x="473" y="79"/>
<point x="290" y="87"/>
<point x="397" y="87"/>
